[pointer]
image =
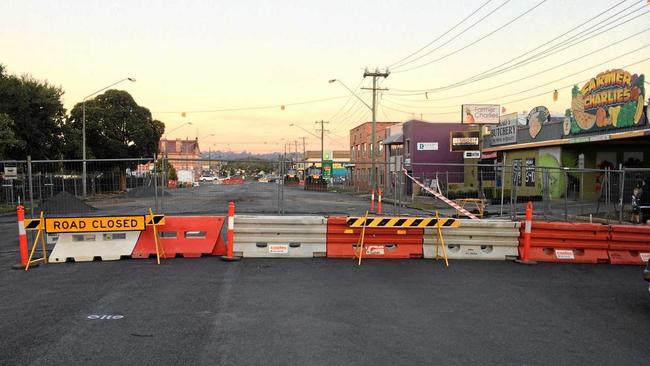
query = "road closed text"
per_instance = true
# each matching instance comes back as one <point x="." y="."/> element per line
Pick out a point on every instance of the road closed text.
<point x="92" y="224"/>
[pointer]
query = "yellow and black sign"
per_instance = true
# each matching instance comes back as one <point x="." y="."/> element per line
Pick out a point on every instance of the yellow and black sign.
<point x="154" y="220"/>
<point x="33" y="224"/>
<point x="92" y="224"/>
<point x="416" y="222"/>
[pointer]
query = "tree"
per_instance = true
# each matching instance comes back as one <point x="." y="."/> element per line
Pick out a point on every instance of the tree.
<point x="7" y="137"/>
<point x="116" y="127"/>
<point x="36" y="113"/>
<point x="170" y="171"/>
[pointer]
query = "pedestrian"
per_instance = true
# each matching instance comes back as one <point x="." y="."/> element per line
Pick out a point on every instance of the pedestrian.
<point x="636" y="204"/>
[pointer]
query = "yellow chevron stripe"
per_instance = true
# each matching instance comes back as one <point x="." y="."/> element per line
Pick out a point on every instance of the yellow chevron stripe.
<point x="407" y="222"/>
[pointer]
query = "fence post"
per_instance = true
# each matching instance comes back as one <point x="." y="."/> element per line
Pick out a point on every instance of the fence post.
<point x="566" y="195"/>
<point x="621" y="180"/>
<point x="155" y="183"/>
<point x="31" y="186"/>
<point x="163" y="182"/>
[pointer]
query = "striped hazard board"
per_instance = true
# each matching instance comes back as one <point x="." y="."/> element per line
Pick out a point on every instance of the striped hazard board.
<point x="33" y="224"/>
<point x="402" y="222"/>
<point x="154" y="220"/>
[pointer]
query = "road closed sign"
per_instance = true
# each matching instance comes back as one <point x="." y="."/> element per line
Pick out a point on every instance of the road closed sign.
<point x="94" y="224"/>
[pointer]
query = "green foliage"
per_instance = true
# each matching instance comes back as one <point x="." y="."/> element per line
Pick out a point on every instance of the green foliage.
<point x="36" y="113"/>
<point x="626" y="115"/>
<point x="116" y="127"/>
<point x="574" y="91"/>
<point x="7" y="137"/>
<point x="252" y="166"/>
<point x="168" y="168"/>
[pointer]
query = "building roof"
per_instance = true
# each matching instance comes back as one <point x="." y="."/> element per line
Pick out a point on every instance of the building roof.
<point x="395" y="139"/>
<point x="186" y="146"/>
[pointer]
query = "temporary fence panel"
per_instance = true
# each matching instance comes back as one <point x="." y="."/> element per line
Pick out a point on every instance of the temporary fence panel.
<point x="569" y="242"/>
<point x="483" y="240"/>
<point x="280" y="236"/>
<point x="629" y="244"/>
<point x="86" y="247"/>
<point x="187" y="236"/>
<point x="379" y="242"/>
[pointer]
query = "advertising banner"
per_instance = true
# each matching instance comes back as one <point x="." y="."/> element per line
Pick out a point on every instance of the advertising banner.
<point x="613" y="99"/>
<point x="464" y="140"/>
<point x="480" y="113"/>
<point x="505" y="132"/>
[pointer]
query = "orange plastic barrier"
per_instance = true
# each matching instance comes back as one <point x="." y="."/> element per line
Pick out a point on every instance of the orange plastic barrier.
<point x="388" y="243"/>
<point x="568" y="242"/>
<point x="629" y="244"/>
<point x="188" y="236"/>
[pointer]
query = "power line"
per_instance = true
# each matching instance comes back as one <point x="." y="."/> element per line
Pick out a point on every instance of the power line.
<point x="554" y="68"/>
<point x="273" y="106"/>
<point x="444" y="34"/>
<point x="519" y="92"/>
<point x="487" y="74"/>
<point x="474" y="42"/>
<point x="347" y="101"/>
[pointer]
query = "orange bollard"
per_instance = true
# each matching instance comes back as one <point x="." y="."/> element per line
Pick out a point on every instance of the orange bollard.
<point x="379" y="202"/>
<point x="22" y="235"/>
<point x="525" y="251"/>
<point x="372" y="200"/>
<point x="230" y="234"/>
<point x="22" y="239"/>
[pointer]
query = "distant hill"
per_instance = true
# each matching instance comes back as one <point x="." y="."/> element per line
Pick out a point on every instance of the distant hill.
<point x="231" y="155"/>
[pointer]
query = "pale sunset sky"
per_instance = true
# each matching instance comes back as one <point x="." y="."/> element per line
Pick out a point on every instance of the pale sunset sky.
<point x="205" y="57"/>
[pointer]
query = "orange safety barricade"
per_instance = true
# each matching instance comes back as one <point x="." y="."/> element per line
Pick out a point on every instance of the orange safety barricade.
<point x="387" y="243"/>
<point x="188" y="236"/>
<point x="629" y="244"/>
<point x="568" y="242"/>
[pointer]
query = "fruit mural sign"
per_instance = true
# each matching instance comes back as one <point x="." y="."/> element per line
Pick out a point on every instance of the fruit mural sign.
<point x="613" y="99"/>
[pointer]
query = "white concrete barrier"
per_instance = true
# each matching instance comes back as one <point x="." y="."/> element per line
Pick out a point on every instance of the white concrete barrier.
<point x="85" y="247"/>
<point x="476" y="239"/>
<point x="280" y="236"/>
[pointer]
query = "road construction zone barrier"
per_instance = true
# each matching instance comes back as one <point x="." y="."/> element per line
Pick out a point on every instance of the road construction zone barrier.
<point x="184" y="236"/>
<point x="380" y="240"/>
<point x="474" y="239"/>
<point x="84" y="239"/>
<point x="629" y="244"/>
<point x="568" y="242"/>
<point x="279" y="236"/>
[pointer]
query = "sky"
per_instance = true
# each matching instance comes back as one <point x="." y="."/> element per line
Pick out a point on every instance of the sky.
<point x="230" y="65"/>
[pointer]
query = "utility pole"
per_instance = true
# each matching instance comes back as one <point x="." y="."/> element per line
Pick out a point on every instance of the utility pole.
<point x="373" y="145"/>
<point x="322" y="147"/>
<point x="304" y="152"/>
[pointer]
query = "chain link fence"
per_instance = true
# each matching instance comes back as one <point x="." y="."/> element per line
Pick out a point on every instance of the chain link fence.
<point x="286" y="186"/>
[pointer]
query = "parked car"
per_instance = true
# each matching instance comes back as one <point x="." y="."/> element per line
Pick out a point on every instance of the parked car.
<point x="207" y="178"/>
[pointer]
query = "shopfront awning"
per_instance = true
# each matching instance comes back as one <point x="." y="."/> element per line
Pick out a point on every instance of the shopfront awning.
<point x="396" y="139"/>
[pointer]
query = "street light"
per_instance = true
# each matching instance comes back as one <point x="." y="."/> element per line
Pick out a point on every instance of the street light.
<point x="311" y="133"/>
<point x="184" y="124"/>
<point x="83" y="129"/>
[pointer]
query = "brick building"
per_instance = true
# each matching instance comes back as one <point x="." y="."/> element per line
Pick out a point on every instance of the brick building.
<point x="361" y="145"/>
<point x="184" y="156"/>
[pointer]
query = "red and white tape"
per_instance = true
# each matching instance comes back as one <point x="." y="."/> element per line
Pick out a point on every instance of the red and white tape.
<point x="442" y="198"/>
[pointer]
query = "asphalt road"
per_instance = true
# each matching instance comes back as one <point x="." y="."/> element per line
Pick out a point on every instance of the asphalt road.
<point x="250" y="197"/>
<point x="322" y="312"/>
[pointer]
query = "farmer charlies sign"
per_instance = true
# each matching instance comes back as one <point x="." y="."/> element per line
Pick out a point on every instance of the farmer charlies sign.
<point x="612" y="99"/>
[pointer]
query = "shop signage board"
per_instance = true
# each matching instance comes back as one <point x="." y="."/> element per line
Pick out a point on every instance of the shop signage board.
<point x="505" y="132"/>
<point x="613" y="99"/>
<point x="480" y="114"/>
<point x="537" y="117"/>
<point x="464" y="140"/>
<point x="530" y="172"/>
<point x="472" y="154"/>
<point x="424" y="146"/>
<point x="94" y="224"/>
<point x="10" y="172"/>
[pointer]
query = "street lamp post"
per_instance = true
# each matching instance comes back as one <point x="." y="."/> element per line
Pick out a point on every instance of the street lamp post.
<point x="83" y="131"/>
